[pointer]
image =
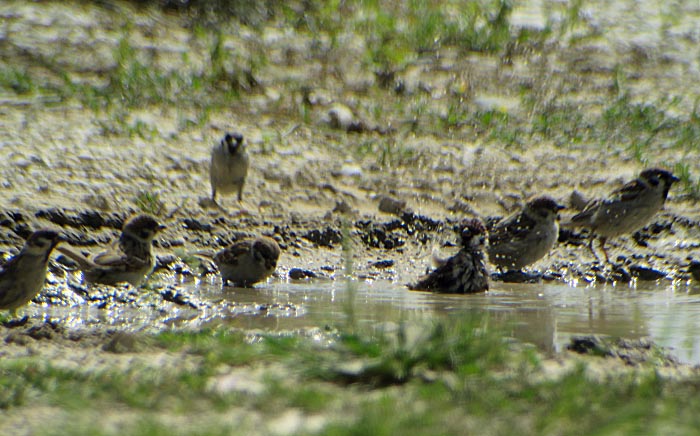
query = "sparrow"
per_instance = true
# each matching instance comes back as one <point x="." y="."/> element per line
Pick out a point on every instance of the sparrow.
<point x="525" y="236"/>
<point x="128" y="260"/>
<point x="626" y="209"/>
<point x="248" y="261"/>
<point x="229" y="166"/>
<point x="463" y="273"/>
<point x="22" y="277"/>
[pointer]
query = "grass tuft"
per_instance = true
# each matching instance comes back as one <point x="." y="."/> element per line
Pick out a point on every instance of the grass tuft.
<point x="150" y="202"/>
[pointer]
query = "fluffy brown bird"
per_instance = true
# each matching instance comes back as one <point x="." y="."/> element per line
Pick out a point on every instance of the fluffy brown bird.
<point x="23" y="276"/>
<point x="248" y="261"/>
<point x="129" y="260"/>
<point x="463" y="273"/>
<point x="525" y="236"/>
<point x="626" y="209"/>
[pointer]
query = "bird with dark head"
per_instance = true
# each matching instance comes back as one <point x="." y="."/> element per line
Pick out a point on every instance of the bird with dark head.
<point x="626" y="209"/>
<point x="233" y="141"/>
<point x="525" y="236"/>
<point x="128" y="260"/>
<point x="22" y="277"/>
<point x="463" y="273"/>
<point x="229" y="166"/>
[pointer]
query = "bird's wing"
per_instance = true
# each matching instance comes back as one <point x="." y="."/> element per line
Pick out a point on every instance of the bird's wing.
<point x="442" y="276"/>
<point x="587" y="213"/>
<point x="232" y="253"/>
<point x="83" y="262"/>
<point x="516" y="226"/>
<point x="7" y="269"/>
<point x="110" y="259"/>
<point x="107" y="261"/>
<point x="628" y="192"/>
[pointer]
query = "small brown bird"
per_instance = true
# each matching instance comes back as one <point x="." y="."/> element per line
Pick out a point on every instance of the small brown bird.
<point x="248" y="261"/>
<point x="525" y="236"/>
<point x="627" y="209"/>
<point x="463" y="273"/>
<point x="23" y="276"/>
<point x="128" y="260"/>
<point x="229" y="166"/>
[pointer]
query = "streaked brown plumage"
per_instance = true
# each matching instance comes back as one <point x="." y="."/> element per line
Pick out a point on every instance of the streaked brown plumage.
<point x="627" y="209"/>
<point x="248" y="261"/>
<point x="128" y="260"/>
<point x="525" y="236"/>
<point x="23" y="276"/>
<point x="463" y="273"/>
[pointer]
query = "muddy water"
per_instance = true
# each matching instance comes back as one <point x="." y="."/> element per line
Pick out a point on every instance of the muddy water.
<point x="545" y="314"/>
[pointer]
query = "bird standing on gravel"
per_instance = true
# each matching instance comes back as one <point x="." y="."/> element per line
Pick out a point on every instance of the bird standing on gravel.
<point x="128" y="260"/>
<point x="23" y="276"/>
<point x="248" y="261"/>
<point x="525" y="236"/>
<point x="463" y="273"/>
<point x="229" y="166"/>
<point x="627" y="209"/>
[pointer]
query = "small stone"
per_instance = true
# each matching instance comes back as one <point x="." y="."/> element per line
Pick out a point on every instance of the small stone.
<point x="301" y="274"/>
<point x="121" y="342"/>
<point x="620" y="274"/>
<point x="326" y="237"/>
<point x="47" y="330"/>
<point x="587" y="345"/>
<point x="17" y="338"/>
<point x="391" y="205"/>
<point x="386" y="263"/>
<point x="206" y="266"/>
<point x="342" y="207"/>
<point x="13" y="323"/>
<point x="646" y="273"/>
<point x="340" y="117"/>
<point x="165" y="261"/>
<point x="196" y="225"/>
<point x="176" y="298"/>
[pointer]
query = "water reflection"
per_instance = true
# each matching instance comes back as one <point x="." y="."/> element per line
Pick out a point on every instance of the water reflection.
<point x="544" y="314"/>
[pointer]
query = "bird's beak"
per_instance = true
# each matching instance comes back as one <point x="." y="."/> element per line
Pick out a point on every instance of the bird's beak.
<point x="160" y="228"/>
<point x="675" y="179"/>
<point x="560" y="207"/>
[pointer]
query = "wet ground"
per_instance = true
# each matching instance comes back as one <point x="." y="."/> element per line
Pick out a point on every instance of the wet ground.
<point x="548" y="315"/>
<point x="66" y="165"/>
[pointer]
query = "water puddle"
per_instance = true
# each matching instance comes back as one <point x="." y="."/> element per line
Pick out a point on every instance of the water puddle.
<point x="544" y="314"/>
